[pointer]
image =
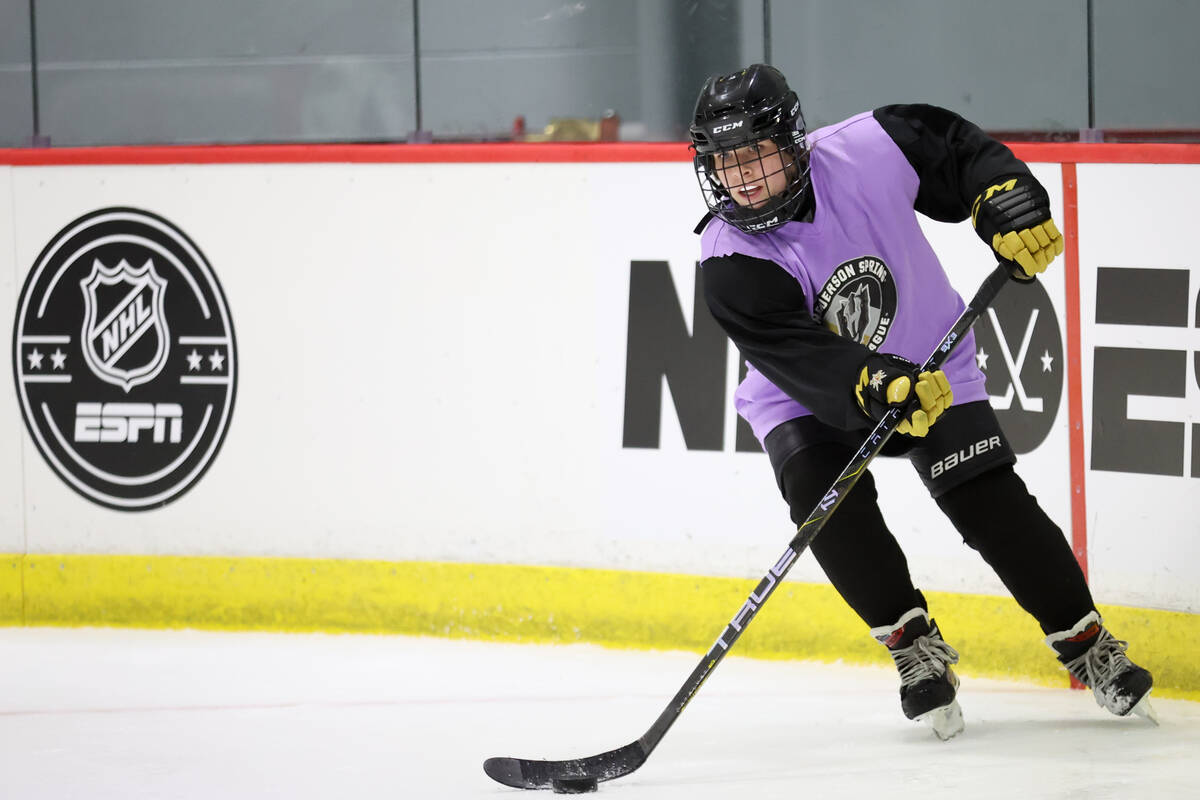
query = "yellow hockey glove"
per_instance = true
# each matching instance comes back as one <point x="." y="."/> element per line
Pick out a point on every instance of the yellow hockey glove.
<point x="1013" y="216"/>
<point x="886" y="382"/>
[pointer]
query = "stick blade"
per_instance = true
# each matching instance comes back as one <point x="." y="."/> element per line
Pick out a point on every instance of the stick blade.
<point x="522" y="773"/>
<point x="508" y="772"/>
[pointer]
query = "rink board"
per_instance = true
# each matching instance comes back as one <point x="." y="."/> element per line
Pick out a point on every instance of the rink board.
<point x="529" y="604"/>
<point x="426" y="382"/>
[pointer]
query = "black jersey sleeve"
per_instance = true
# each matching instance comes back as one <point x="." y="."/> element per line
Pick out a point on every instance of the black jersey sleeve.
<point x="953" y="158"/>
<point x="762" y="309"/>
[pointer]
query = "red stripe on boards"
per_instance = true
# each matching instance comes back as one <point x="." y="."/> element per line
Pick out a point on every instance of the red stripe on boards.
<point x="516" y="152"/>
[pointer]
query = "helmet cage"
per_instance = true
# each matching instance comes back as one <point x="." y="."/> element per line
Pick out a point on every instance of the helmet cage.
<point x="724" y="144"/>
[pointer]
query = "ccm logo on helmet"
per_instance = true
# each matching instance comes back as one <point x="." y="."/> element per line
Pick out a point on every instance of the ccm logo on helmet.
<point x="962" y="456"/>
<point x="728" y="127"/>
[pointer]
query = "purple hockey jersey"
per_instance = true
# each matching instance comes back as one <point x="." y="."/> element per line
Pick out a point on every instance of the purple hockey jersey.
<point x="867" y="271"/>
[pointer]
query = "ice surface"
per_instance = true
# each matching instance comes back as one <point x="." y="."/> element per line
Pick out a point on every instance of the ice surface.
<point x="128" y="714"/>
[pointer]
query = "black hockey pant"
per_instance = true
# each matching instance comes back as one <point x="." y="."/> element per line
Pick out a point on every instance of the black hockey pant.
<point x="993" y="511"/>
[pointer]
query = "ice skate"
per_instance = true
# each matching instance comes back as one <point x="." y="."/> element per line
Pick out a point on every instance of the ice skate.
<point x="928" y="687"/>
<point x="1097" y="659"/>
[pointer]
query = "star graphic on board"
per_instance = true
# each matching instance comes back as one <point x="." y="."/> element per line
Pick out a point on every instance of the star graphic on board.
<point x="217" y="360"/>
<point x="35" y="359"/>
<point x="981" y="359"/>
<point x="59" y="358"/>
<point x="194" y="360"/>
<point x="1047" y="362"/>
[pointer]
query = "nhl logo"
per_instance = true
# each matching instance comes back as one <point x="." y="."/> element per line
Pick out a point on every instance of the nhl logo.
<point x="118" y="326"/>
<point x="124" y="359"/>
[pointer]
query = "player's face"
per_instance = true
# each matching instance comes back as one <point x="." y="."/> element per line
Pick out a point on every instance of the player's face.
<point x="754" y="173"/>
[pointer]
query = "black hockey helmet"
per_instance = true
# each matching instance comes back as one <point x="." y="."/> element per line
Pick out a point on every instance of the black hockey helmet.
<point x="734" y="112"/>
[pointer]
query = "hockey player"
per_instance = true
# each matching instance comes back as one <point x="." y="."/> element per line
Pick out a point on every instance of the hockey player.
<point x="815" y="266"/>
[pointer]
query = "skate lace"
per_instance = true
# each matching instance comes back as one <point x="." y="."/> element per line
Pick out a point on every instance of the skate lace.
<point x="925" y="658"/>
<point x="1100" y="665"/>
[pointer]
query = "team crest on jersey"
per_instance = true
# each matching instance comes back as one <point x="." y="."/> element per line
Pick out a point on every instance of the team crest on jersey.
<point x="858" y="301"/>
<point x="124" y="359"/>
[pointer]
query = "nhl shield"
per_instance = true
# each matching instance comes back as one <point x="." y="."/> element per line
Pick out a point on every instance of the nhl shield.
<point x="125" y="339"/>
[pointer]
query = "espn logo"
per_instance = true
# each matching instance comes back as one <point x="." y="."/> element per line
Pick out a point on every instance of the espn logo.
<point x="1147" y="326"/>
<point x="125" y="422"/>
<point x="962" y="456"/>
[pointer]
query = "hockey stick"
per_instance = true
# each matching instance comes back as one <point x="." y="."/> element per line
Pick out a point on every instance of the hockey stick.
<point x="582" y="774"/>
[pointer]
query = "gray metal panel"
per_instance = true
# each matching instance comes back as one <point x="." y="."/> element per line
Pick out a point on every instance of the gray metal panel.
<point x="138" y="30"/>
<point x="16" y="89"/>
<point x="542" y="59"/>
<point x="476" y="29"/>
<point x="988" y="62"/>
<point x="534" y="58"/>
<point x="753" y="27"/>
<point x="16" y="98"/>
<point x="140" y="71"/>
<point x="14" y="32"/>
<point x="1147" y="69"/>
<point x="481" y="97"/>
<point x="349" y="99"/>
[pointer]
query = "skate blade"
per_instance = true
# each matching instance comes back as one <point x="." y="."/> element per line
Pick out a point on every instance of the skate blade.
<point x="946" y="722"/>
<point x="1146" y="711"/>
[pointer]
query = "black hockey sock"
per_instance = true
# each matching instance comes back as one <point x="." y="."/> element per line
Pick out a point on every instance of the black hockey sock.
<point x="998" y="517"/>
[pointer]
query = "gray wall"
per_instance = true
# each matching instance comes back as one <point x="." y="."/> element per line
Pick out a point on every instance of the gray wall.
<point x="1147" y="66"/>
<point x="537" y="59"/>
<point x="140" y="71"/>
<point x="150" y="71"/>
<point x="846" y="57"/>
<point x="16" y="89"/>
<point x="544" y="58"/>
